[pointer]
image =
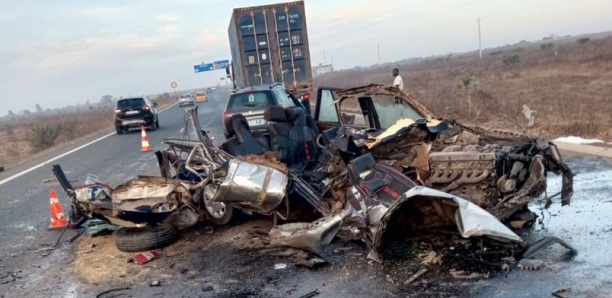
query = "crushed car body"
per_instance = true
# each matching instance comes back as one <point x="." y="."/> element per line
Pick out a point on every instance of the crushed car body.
<point x="372" y="159"/>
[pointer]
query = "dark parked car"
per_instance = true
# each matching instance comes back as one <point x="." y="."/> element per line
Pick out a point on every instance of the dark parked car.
<point x="135" y="112"/>
<point x="252" y="101"/>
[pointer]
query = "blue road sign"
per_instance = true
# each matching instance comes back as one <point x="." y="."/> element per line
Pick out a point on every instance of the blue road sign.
<point x="221" y="64"/>
<point x="203" y="67"/>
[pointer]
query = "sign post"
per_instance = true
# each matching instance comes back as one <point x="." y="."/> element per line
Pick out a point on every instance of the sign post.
<point x="221" y="64"/>
<point x="173" y="85"/>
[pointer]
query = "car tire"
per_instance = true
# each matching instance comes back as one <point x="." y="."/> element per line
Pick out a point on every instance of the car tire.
<point x="156" y="123"/>
<point x="217" y="217"/>
<point x="119" y="130"/>
<point x="147" y="238"/>
<point x="152" y="126"/>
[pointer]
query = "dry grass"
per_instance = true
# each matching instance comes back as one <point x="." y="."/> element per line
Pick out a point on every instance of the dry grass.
<point x="570" y="91"/>
<point x="21" y="139"/>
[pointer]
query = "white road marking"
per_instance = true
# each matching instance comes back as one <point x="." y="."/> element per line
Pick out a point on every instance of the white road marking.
<point x="65" y="154"/>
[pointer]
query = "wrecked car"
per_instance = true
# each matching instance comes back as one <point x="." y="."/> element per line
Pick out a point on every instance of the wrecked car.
<point x="372" y="159"/>
<point x="500" y="172"/>
<point x="364" y="150"/>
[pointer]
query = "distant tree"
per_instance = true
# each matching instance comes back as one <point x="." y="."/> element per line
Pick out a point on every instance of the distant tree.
<point x="26" y="112"/>
<point x="547" y="46"/>
<point x="11" y="114"/>
<point x="583" y="40"/>
<point x="510" y="60"/>
<point x="39" y="109"/>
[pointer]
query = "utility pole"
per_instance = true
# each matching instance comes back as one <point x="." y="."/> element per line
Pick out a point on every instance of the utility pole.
<point x="378" y="46"/>
<point x="324" y="58"/>
<point x="479" y="39"/>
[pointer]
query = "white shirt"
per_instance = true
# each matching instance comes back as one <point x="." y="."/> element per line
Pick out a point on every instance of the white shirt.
<point x="398" y="82"/>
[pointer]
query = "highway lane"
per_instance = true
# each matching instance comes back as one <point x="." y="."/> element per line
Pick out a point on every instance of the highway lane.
<point x="116" y="159"/>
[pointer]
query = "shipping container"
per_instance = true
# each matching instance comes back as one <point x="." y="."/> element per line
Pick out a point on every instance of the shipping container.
<point x="269" y="44"/>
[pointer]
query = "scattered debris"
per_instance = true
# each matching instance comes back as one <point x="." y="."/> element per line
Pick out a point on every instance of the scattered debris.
<point x="308" y="236"/>
<point x="530" y="264"/>
<point x="307" y="260"/>
<point x="155" y="283"/>
<point x="279" y="266"/>
<point x="430" y="258"/>
<point x="101" y="295"/>
<point x="207" y="288"/>
<point x="544" y="243"/>
<point x="9" y="277"/>
<point x="50" y="180"/>
<point x="310" y="294"/>
<point x="81" y="231"/>
<point x="461" y="274"/>
<point x="97" y="227"/>
<point x="415" y="276"/>
<point x="144" y="257"/>
<point x="562" y="293"/>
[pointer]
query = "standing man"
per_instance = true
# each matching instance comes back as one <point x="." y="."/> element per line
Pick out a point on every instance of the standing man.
<point x="398" y="81"/>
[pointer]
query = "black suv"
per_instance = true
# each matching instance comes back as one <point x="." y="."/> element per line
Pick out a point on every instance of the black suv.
<point x="134" y="112"/>
<point x="252" y="101"/>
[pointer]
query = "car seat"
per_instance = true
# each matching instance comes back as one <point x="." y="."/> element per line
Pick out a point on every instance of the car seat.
<point x="280" y="122"/>
<point x="244" y="141"/>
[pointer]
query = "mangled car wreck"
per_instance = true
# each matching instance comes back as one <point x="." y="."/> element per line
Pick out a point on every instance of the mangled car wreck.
<point x="371" y="160"/>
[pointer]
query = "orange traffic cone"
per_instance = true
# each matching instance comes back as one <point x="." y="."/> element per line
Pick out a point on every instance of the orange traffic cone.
<point x="58" y="219"/>
<point x="145" y="141"/>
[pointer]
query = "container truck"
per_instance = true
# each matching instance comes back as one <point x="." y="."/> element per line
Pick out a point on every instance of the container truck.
<point x="269" y="44"/>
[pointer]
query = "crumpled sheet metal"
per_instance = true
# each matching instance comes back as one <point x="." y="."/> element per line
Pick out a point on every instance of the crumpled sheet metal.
<point x="96" y="197"/>
<point x="256" y="187"/>
<point x="311" y="237"/>
<point x="381" y="89"/>
<point x="470" y="220"/>
<point x="147" y="195"/>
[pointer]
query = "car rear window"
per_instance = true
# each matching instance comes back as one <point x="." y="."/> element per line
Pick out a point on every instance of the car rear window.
<point x="130" y="103"/>
<point x="249" y="101"/>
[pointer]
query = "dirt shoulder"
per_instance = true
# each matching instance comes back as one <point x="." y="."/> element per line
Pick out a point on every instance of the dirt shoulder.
<point x="600" y="151"/>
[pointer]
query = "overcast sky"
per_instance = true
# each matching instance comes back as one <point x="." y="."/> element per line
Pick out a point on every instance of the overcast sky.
<point x="61" y="52"/>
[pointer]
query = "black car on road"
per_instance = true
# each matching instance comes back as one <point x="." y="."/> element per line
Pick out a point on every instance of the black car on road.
<point x="135" y="112"/>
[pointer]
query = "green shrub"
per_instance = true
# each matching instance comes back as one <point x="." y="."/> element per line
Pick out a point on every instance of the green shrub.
<point x="510" y="60"/>
<point x="43" y="135"/>
<point x="583" y="40"/>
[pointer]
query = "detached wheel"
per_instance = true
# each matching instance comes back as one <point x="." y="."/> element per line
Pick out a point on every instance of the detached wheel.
<point x="147" y="238"/>
<point x="218" y="213"/>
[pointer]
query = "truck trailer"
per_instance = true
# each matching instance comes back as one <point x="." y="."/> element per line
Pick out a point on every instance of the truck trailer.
<point x="269" y="44"/>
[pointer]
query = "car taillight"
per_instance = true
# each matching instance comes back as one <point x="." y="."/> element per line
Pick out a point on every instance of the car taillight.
<point x="147" y="108"/>
<point x="226" y="115"/>
<point x="306" y="97"/>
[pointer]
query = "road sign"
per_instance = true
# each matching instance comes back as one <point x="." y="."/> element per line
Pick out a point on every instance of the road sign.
<point x="203" y="67"/>
<point x="221" y="64"/>
<point x="173" y="85"/>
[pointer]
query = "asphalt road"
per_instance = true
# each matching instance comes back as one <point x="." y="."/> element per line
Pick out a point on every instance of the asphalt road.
<point x="25" y="200"/>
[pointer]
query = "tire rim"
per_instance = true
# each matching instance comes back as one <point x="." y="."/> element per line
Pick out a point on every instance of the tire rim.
<point x="215" y="209"/>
